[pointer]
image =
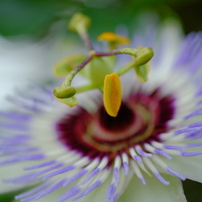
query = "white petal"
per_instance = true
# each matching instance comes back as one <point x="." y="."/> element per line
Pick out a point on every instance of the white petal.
<point x="8" y="172"/>
<point x="190" y="167"/>
<point x="21" y="61"/>
<point x="154" y="191"/>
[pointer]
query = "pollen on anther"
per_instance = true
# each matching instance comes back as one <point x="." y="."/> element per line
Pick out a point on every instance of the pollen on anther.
<point x="112" y="94"/>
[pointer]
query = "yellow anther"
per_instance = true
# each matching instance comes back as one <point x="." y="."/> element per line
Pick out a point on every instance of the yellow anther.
<point x="113" y="38"/>
<point x="112" y="94"/>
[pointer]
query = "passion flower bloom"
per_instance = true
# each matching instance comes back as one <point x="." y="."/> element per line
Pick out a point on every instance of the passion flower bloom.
<point x="140" y="154"/>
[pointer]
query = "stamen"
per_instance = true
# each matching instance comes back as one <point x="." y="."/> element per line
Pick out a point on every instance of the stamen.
<point x="113" y="39"/>
<point x="112" y="94"/>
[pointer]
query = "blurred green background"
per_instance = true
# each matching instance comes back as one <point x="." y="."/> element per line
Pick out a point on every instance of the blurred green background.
<point x="35" y="19"/>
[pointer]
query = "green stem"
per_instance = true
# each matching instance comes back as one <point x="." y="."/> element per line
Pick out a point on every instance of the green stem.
<point x="84" y="36"/>
<point x="85" y="88"/>
<point x="70" y="76"/>
<point x="126" y="68"/>
<point x="110" y="53"/>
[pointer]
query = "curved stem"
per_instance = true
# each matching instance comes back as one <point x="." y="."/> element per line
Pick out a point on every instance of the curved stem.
<point x="84" y="36"/>
<point x="70" y="76"/>
<point x="126" y="68"/>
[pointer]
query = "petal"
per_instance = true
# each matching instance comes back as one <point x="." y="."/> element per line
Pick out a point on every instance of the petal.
<point x="163" y="60"/>
<point x="190" y="167"/>
<point x="154" y="190"/>
<point x="11" y="172"/>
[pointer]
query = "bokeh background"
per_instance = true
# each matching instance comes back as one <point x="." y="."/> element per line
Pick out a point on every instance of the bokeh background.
<point x="33" y="36"/>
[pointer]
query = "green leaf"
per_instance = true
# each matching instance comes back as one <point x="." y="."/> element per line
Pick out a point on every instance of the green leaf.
<point x="33" y="17"/>
<point x="10" y="196"/>
<point x="192" y="190"/>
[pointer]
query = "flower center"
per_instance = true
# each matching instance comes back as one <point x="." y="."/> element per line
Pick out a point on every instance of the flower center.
<point x="140" y="119"/>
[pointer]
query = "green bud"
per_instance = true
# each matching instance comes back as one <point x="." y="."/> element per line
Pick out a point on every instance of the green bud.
<point x="144" y="55"/>
<point x="61" y="92"/>
<point x="79" y="22"/>
<point x="66" y="65"/>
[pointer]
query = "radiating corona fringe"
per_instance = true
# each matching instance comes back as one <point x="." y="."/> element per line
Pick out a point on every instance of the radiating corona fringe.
<point x="112" y="94"/>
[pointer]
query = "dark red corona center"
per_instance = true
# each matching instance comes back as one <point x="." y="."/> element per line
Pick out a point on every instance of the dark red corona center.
<point x="140" y="119"/>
